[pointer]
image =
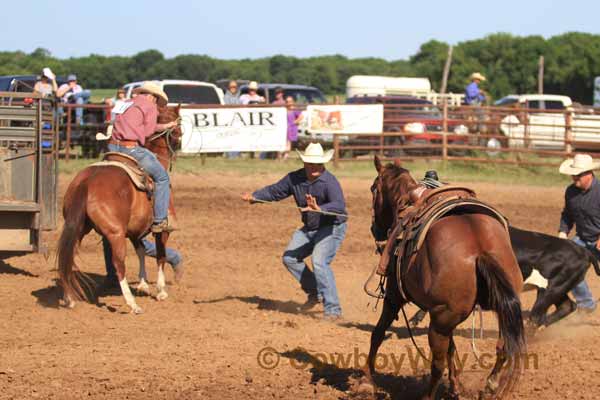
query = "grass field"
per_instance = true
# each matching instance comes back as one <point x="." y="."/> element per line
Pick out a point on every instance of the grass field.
<point x="453" y="171"/>
<point x="99" y="94"/>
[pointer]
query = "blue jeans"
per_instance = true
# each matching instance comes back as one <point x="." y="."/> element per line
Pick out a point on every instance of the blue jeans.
<point x="232" y="154"/>
<point x="582" y="292"/>
<point x="322" y="244"/>
<point x="173" y="256"/>
<point x="148" y="161"/>
<point x="80" y="98"/>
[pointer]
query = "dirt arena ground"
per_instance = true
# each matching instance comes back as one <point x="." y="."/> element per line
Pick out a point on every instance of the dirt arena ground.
<point x="231" y="329"/>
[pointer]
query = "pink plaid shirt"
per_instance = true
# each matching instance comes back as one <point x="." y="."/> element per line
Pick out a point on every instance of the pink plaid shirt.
<point x="137" y="122"/>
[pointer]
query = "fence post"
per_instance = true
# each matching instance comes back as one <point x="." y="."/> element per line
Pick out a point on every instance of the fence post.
<point x="568" y="132"/>
<point x="68" y="133"/>
<point x="445" y="131"/>
<point x="336" y="150"/>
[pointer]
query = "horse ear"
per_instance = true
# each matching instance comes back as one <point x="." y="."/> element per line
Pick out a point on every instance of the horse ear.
<point x="377" y="163"/>
<point x="397" y="163"/>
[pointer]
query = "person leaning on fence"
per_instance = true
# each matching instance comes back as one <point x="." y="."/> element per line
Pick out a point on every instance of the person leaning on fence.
<point x="134" y="123"/>
<point x="317" y="192"/>
<point x="232" y="96"/>
<point x="117" y="102"/>
<point x="582" y="209"/>
<point x="72" y="92"/>
<point x="46" y="85"/>
<point x="279" y="97"/>
<point x="252" y="97"/>
<point x="474" y="96"/>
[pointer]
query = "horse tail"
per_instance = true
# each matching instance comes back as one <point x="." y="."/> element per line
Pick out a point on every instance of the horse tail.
<point x="495" y="292"/>
<point x="70" y="237"/>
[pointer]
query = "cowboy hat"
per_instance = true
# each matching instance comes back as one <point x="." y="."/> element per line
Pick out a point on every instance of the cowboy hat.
<point x="477" y="75"/>
<point x="253" y="85"/>
<point x="314" y="154"/>
<point x="152" y="88"/>
<point x="47" y="72"/>
<point x="579" y="164"/>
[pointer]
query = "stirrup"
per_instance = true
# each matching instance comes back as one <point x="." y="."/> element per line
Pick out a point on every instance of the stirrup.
<point x="163" y="226"/>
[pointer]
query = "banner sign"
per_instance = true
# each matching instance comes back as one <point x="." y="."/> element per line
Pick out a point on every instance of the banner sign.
<point x="217" y="130"/>
<point x="355" y="118"/>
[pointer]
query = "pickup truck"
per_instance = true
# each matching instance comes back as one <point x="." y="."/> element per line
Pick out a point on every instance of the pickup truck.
<point x="183" y="92"/>
<point x="540" y="121"/>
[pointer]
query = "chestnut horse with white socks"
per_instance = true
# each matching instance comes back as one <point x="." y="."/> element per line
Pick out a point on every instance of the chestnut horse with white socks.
<point x="104" y="198"/>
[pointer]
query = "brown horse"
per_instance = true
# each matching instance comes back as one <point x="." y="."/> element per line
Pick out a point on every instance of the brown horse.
<point x="103" y="198"/>
<point x="466" y="259"/>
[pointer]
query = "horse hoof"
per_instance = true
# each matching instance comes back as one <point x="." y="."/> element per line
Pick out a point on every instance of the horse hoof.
<point x="162" y="296"/>
<point x="70" y="304"/>
<point x="365" y="386"/>
<point x="137" y="310"/>
<point x="143" y="288"/>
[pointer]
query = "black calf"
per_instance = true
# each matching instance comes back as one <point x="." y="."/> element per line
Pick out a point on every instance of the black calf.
<point x="561" y="262"/>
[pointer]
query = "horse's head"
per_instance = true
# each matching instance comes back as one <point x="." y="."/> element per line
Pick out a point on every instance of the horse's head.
<point x="390" y="192"/>
<point x="166" y="115"/>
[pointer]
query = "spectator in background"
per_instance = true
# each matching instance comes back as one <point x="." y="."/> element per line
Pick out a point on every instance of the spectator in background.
<point x="117" y="101"/>
<point x="252" y="97"/>
<point x="474" y="96"/>
<point x="46" y="86"/>
<point x="294" y="117"/>
<point x="71" y="92"/>
<point x="279" y="100"/>
<point x="232" y="96"/>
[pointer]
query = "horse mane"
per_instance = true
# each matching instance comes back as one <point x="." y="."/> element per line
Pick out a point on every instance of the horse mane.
<point x="399" y="182"/>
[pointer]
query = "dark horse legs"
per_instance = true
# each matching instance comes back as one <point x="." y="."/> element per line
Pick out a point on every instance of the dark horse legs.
<point x="388" y="315"/>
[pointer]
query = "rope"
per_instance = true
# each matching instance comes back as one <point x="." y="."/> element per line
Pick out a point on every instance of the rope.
<point x="411" y="335"/>
<point x="473" y="347"/>
<point x="303" y="210"/>
<point x="381" y="292"/>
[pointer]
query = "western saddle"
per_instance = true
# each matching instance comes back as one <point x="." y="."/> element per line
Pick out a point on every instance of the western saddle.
<point x="418" y="211"/>
<point x="138" y="176"/>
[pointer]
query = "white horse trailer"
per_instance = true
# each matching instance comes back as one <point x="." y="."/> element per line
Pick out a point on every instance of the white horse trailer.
<point x="371" y="85"/>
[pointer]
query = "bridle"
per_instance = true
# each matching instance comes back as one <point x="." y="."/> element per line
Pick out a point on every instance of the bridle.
<point x="379" y="237"/>
<point x="167" y="133"/>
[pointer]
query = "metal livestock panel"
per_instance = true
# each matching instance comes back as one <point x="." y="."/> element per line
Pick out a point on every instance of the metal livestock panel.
<point x="28" y="172"/>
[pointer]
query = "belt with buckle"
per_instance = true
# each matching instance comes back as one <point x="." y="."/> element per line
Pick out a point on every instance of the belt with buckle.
<point x="124" y="143"/>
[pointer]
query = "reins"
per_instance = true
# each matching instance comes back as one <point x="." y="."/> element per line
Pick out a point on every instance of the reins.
<point x="172" y="152"/>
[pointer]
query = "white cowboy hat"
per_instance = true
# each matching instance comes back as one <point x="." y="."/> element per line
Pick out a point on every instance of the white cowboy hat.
<point x="477" y="75"/>
<point x="154" y="89"/>
<point x="314" y="154"/>
<point x="579" y="164"/>
<point x="47" y="72"/>
<point x="253" y="85"/>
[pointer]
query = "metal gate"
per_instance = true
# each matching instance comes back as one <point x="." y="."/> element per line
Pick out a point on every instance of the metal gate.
<point x="28" y="172"/>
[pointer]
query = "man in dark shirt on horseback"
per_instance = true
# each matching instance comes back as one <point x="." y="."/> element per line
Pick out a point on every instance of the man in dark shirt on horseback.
<point x="319" y="197"/>
<point x="582" y="209"/>
<point x="135" y="121"/>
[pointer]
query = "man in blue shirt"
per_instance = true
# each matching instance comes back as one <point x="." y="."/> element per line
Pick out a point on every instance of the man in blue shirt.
<point x="582" y="209"/>
<point x="473" y="95"/>
<point x="319" y="197"/>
